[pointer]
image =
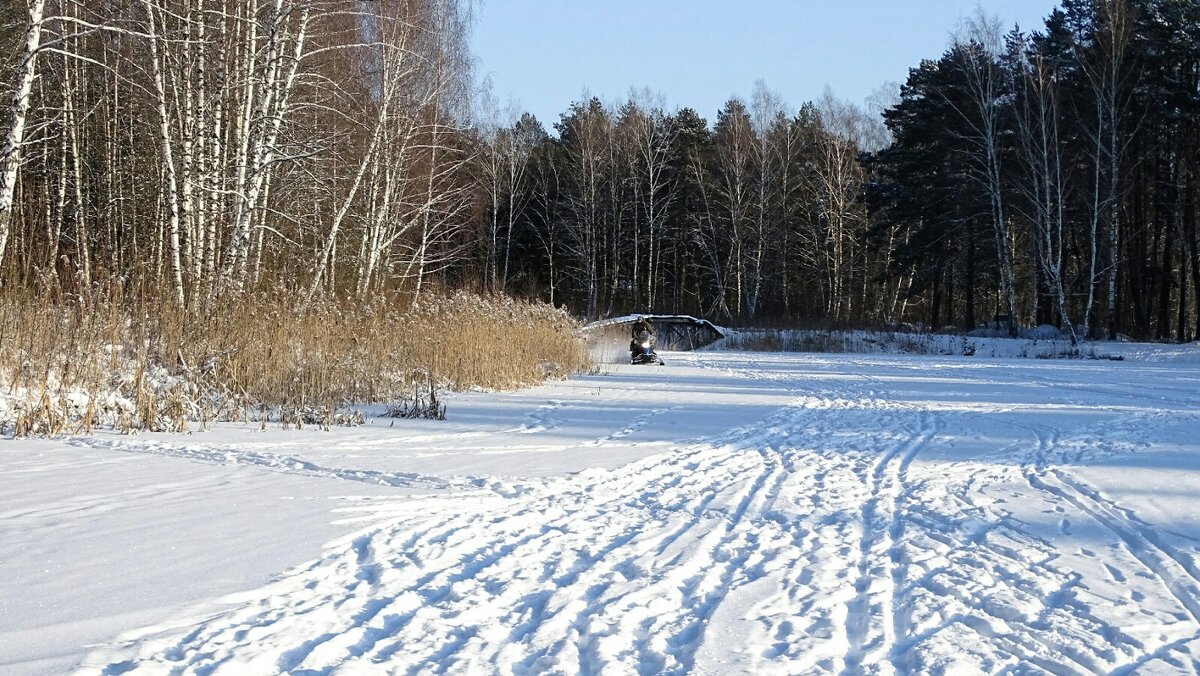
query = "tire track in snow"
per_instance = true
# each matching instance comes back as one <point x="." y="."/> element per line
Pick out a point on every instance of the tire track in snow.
<point x="634" y="570"/>
<point x="695" y="516"/>
<point x="896" y="531"/>
<point x="1165" y="564"/>
<point x="985" y="580"/>
<point x="871" y="604"/>
<point x="1024" y="576"/>
<point x="706" y="508"/>
<point x="1175" y="573"/>
<point x="704" y="578"/>
<point x="872" y="623"/>
<point x="1001" y="584"/>
<point x="290" y="464"/>
<point x="635" y="426"/>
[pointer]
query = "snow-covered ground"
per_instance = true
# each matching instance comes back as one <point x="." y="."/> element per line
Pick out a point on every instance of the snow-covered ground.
<point x="728" y="513"/>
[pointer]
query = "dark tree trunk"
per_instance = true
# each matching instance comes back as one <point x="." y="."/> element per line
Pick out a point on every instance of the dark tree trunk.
<point x="1141" y="283"/>
<point x="950" y="284"/>
<point x="935" y="308"/>
<point x="1163" y="325"/>
<point x="1189" y="230"/>
<point x="1181" y="321"/>
<point x="969" y="311"/>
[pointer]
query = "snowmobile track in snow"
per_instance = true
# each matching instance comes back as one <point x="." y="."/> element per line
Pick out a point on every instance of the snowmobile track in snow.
<point x="856" y="528"/>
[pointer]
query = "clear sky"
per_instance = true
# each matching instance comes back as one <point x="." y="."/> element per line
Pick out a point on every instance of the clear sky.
<point x="543" y="54"/>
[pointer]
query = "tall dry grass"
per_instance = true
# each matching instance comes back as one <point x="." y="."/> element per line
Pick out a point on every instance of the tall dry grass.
<point x="133" y="361"/>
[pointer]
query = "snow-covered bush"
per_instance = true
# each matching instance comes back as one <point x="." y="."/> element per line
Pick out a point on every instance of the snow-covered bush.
<point x="1042" y="332"/>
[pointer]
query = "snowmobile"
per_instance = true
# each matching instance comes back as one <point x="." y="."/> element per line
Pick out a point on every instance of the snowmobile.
<point x="641" y="350"/>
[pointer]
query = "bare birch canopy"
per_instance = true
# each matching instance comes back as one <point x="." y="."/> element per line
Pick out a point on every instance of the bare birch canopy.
<point x="208" y="141"/>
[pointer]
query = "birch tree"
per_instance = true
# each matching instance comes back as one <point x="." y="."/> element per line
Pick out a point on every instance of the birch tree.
<point x="586" y="139"/>
<point x="766" y="107"/>
<point x="10" y="153"/>
<point x="166" y="148"/>
<point x="839" y="179"/>
<point x="734" y="192"/>
<point x="1104" y="57"/>
<point x="976" y="56"/>
<point x="266" y="107"/>
<point x="1042" y="157"/>
<point x="504" y="158"/>
<point x="651" y="141"/>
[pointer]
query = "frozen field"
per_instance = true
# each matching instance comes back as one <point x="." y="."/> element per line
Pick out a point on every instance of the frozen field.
<point x="727" y="513"/>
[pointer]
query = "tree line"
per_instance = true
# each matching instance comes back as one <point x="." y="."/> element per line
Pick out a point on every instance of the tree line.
<point x="209" y="147"/>
<point x="632" y="207"/>
<point x="1049" y="177"/>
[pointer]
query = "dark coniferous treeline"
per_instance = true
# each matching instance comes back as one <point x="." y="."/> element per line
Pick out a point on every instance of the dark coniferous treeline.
<point x="1063" y="160"/>
<point x="1045" y="177"/>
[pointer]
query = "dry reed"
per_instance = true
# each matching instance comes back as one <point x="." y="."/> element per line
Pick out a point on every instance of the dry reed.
<point x="130" y="360"/>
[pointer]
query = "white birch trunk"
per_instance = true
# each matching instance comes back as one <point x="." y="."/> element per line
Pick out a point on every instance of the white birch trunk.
<point x="10" y="154"/>
<point x="167" y="154"/>
<point x="326" y="257"/>
<point x="274" y="108"/>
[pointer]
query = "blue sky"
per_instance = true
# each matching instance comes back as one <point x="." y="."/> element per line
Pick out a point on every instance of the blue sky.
<point x="544" y="54"/>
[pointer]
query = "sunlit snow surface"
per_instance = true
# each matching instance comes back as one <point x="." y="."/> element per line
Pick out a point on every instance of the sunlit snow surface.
<point x="726" y="513"/>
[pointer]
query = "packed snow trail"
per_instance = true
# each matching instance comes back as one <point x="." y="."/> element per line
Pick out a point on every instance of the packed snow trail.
<point x="870" y="515"/>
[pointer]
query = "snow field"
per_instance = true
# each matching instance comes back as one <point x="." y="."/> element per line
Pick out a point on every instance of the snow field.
<point x="734" y="513"/>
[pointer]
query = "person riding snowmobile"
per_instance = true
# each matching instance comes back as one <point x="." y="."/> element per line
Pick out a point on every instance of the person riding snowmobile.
<point x="642" y="343"/>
